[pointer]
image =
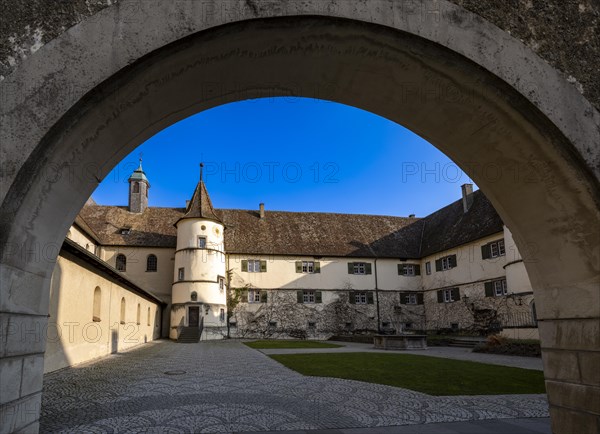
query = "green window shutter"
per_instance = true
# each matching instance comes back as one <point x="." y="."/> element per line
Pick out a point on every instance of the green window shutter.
<point x="456" y="294"/>
<point x="317" y="267"/>
<point x="318" y="297"/>
<point x="438" y="265"/>
<point x="400" y="269"/>
<point x="440" y="295"/>
<point x="298" y="266"/>
<point x="263" y="296"/>
<point x="367" y="268"/>
<point x="486" y="252"/>
<point x="402" y="298"/>
<point x="420" y="299"/>
<point x="370" y="298"/>
<point x="489" y="289"/>
<point x="351" y="298"/>
<point x="300" y="296"/>
<point x="263" y="266"/>
<point x="244" y="265"/>
<point x="452" y="261"/>
<point x="417" y="270"/>
<point x="244" y="296"/>
<point x="350" y="267"/>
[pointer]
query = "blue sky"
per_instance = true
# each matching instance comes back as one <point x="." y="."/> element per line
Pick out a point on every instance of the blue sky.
<point x="293" y="154"/>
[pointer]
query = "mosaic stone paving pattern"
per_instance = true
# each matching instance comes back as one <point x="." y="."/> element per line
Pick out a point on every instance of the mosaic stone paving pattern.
<point x="228" y="387"/>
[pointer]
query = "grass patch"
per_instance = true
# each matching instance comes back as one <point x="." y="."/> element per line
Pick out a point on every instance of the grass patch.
<point x="431" y="375"/>
<point x="285" y="344"/>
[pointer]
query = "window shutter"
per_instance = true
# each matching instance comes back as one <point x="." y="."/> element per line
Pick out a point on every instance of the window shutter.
<point x="417" y="270"/>
<point x="244" y="296"/>
<point x="318" y="297"/>
<point x="489" y="289"/>
<point x="351" y="297"/>
<point x="298" y="266"/>
<point x="452" y="261"/>
<point x="486" y="252"/>
<point x="370" y="298"/>
<point x="300" y="296"/>
<point x="367" y="268"/>
<point x="263" y="266"/>
<point x="438" y="265"/>
<point x="440" y="295"/>
<point x="400" y="268"/>
<point x="456" y="294"/>
<point x="420" y="299"/>
<point x="263" y="296"/>
<point x="402" y="298"/>
<point x="317" y="268"/>
<point x="244" y="265"/>
<point x="350" y="267"/>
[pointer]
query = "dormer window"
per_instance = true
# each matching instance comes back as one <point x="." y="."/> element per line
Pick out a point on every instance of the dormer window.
<point x="125" y="231"/>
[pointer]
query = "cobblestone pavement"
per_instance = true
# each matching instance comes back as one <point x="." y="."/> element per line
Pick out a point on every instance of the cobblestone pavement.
<point x="444" y="352"/>
<point x="228" y="387"/>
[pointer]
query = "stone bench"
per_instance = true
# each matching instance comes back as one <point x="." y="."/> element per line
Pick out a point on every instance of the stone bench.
<point x="400" y="342"/>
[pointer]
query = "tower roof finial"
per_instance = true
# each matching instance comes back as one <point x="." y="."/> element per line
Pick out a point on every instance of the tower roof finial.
<point x="201" y="170"/>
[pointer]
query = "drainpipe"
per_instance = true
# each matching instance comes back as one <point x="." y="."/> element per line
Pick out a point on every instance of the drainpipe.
<point x="377" y="299"/>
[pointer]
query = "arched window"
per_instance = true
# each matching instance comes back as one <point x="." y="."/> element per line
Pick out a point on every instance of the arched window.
<point x="151" y="263"/>
<point x="148" y="322"/>
<point x="121" y="263"/>
<point x="97" y="304"/>
<point x="139" y="314"/>
<point x="136" y="187"/>
<point x="194" y="296"/>
<point x="123" y="310"/>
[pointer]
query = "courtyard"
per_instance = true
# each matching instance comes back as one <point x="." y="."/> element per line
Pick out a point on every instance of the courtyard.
<point x="229" y="387"/>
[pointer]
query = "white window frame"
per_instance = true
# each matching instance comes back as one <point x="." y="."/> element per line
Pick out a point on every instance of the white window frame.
<point x="253" y="265"/>
<point x="308" y="296"/>
<point x="360" y="268"/>
<point x="448" y="296"/>
<point x="254" y="296"/>
<point x="500" y="288"/>
<point x="408" y="270"/>
<point x="202" y="242"/>
<point x="446" y="263"/>
<point x="360" y="298"/>
<point x="221" y="284"/>
<point x="181" y="274"/>
<point x="411" y="298"/>
<point x="497" y="249"/>
<point x="308" y="266"/>
<point x="428" y="268"/>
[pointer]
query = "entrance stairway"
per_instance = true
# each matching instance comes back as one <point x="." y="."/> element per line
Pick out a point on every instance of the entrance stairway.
<point x="189" y="335"/>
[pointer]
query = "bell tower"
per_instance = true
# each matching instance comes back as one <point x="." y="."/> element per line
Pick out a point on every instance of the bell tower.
<point x="138" y="190"/>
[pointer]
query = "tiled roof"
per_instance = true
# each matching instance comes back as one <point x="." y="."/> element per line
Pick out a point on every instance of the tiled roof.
<point x="201" y="206"/>
<point x="306" y="233"/>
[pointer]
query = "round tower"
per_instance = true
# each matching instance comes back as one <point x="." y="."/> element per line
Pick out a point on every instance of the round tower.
<point x="198" y="300"/>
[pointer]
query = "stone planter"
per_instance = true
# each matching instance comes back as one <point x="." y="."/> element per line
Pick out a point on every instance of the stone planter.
<point x="400" y="342"/>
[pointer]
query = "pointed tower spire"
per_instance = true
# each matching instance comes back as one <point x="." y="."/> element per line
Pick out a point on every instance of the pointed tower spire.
<point x="200" y="205"/>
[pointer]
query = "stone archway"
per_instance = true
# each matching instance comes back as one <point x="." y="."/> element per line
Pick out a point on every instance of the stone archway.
<point x="529" y="140"/>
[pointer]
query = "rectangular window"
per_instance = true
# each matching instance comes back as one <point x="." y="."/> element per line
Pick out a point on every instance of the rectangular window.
<point x="221" y="284"/>
<point x="428" y="268"/>
<point x="253" y="266"/>
<point x="359" y="268"/>
<point x="408" y="270"/>
<point x="181" y="274"/>
<point x="222" y="315"/>
<point x="360" y="298"/>
<point x="494" y="249"/>
<point x="411" y="298"/>
<point x="448" y="296"/>
<point x="308" y="266"/>
<point x="202" y="242"/>
<point x="254" y="296"/>
<point x="500" y="287"/>
<point x="308" y="296"/>
<point x="445" y="264"/>
<point x="312" y="324"/>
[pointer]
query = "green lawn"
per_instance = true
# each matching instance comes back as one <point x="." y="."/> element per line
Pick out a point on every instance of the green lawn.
<point x="431" y="375"/>
<point x="281" y="344"/>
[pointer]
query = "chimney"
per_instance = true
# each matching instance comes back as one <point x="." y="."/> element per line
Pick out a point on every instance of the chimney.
<point x="467" y="196"/>
<point x="411" y="216"/>
<point x="187" y="204"/>
<point x="261" y="209"/>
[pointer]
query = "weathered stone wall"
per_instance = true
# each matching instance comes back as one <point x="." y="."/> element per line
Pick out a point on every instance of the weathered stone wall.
<point x="565" y="33"/>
